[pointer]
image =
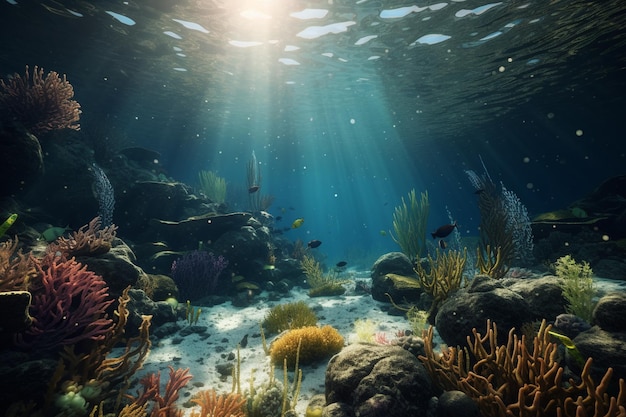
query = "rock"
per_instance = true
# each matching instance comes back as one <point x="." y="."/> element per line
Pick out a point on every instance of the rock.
<point x="24" y="379"/>
<point x="543" y="295"/>
<point x="377" y="380"/>
<point x="393" y="263"/>
<point x="608" y="349"/>
<point x="455" y="404"/>
<point x="470" y="308"/>
<point x="117" y="267"/>
<point x="140" y="304"/>
<point x="570" y="325"/>
<point x="14" y="315"/>
<point x="610" y="312"/>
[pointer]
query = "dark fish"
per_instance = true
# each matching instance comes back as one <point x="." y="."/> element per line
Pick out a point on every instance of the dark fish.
<point x="442" y="244"/>
<point x="244" y="342"/>
<point x="279" y="218"/>
<point x="443" y="231"/>
<point x="314" y="243"/>
<point x="254" y="189"/>
<point x="341" y="264"/>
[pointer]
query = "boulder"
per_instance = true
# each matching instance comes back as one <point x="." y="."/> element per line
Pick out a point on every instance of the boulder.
<point x="374" y="380"/>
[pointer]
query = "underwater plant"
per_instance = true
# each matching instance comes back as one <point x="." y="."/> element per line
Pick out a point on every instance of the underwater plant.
<point x="321" y="284"/>
<point x="212" y="186"/>
<point x="409" y="224"/>
<point x="578" y="286"/>
<point x="289" y="316"/>
<point x="197" y="274"/>
<point x="314" y="342"/>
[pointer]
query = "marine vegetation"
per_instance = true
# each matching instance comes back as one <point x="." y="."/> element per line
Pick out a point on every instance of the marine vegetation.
<point x="443" y="275"/>
<point x="321" y="284"/>
<point x="39" y="103"/>
<point x="314" y="342"/>
<point x="212" y="186"/>
<point x="197" y="274"/>
<point x="409" y="224"/>
<point x="518" y="381"/>
<point x="578" y="287"/>
<point x="219" y="405"/>
<point x="505" y="231"/>
<point x="289" y="316"/>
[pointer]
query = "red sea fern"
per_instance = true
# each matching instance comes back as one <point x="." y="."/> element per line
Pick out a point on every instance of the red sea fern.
<point x="69" y="306"/>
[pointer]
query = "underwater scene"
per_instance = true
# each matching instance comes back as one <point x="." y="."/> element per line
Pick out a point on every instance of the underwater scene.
<point x="312" y="208"/>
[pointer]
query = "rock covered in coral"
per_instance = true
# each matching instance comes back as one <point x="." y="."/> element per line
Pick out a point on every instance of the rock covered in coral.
<point x="141" y="304"/>
<point x="470" y="307"/>
<point x="392" y="263"/>
<point x="610" y="312"/>
<point x="544" y="296"/>
<point x="374" y="380"/>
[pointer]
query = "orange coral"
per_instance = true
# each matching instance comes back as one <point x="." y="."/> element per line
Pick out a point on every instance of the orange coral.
<point x="40" y="103"/>
<point x="223" y="405"/>
<point x="16" y="269"/>
<point x="315" y="343"/>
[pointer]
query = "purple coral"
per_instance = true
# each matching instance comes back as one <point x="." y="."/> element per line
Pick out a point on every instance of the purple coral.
<point x="197" y="274"/>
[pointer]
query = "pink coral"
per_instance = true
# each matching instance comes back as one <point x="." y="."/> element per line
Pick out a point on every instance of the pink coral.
<point x="69" y="306"/>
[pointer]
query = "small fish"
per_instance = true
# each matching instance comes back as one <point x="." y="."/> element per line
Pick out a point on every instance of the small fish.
<point x="383" y="233"/>
<point x="253" y="189"/>
<point x="53" y="233"/>
<point x="442" y="244"/>
<point x="443" y="231"/>
<point x="341" y="264"/>
<point x="297" y="223"/>
<point x="314" y="243"/>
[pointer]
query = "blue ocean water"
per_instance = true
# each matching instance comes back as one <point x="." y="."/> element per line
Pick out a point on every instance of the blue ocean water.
<point x="347" y="105"/>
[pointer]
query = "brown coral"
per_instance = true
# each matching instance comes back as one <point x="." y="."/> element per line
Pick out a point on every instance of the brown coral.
<point x="40" y="103"/>
<point x="513" y="380"/>
<point x="89" y="240"/>
<point x="16" y="269"/>
<point x="222" y="405"/>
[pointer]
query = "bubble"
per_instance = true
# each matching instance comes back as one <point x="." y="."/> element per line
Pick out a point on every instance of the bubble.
<point x="530" y="185"/>
<point x="579" y="132"/>
<point x="550" y="115"/>
<point x="605" y="238"/>
<point x="526" y="160"/>
<point x="501" y="68"/>
<point x="352" y="121"/>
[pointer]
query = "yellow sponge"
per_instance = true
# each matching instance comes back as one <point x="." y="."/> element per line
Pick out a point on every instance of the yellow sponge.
<point x="317" y="343"/>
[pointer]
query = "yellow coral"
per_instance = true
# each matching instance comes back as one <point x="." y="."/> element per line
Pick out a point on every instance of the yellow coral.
<point x="316" y="343"/>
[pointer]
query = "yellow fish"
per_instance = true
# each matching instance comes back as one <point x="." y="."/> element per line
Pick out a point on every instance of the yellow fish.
<point x="8" y="223"/>
<point x="297" y="223"/>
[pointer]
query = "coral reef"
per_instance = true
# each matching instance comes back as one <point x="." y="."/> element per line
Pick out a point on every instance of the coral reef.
<point x="197" y="274"/>
<point x="40" y="103"/>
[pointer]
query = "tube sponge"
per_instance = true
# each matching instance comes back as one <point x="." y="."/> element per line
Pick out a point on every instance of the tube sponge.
<point x="317" y="343"/>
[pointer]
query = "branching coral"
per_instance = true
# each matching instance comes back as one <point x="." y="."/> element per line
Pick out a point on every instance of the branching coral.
<point x="444" y="275"/>
<point x="164" y="405"/>
<point x="89" y="240"/>
<point x="511" y="380"/>
<point x="69" y="305"/>
<point x="40" y="103"/>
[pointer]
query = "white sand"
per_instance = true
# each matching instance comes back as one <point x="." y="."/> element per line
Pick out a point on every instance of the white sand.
<point x="227" y="325"/>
